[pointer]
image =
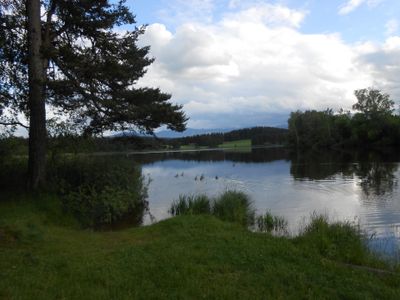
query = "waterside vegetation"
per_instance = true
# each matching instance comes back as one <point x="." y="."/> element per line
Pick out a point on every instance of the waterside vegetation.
<point x="231" y="206"/>
<point x="375" y="125"/>
<point x="245" y="137"/>
<point x="67" y="221"/>
<point x="98" y="191"/>
<point x="77" y="239"/>
<point x="44" y="254"/>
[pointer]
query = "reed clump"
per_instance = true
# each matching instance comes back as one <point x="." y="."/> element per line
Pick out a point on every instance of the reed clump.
<point x="231" y="206"/>
<point x="342" y="241"/>
<point x="191" y="205"/>
<point x="271" y="224"/>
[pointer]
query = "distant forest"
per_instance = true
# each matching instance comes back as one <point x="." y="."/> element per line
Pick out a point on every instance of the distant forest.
<point x="258" y="136"/>
<point x="68" y="143"/>
<point x="375" y="125"/>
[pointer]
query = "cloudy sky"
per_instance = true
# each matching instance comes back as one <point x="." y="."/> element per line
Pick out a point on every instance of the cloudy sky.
<point x="238" y="63"/>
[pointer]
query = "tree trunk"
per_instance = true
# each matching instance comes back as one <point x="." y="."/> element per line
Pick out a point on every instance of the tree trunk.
<point x="36" y="101"/>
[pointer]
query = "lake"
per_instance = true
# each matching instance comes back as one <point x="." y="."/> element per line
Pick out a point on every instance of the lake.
<point x="360" y="187"/>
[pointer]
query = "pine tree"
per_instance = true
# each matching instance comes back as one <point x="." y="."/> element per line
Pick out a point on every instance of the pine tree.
<point x="67" y="56"/>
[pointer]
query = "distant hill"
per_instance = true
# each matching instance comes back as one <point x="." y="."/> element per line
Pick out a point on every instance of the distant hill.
<point x="190" y="132"/>
<point x="169" y="134"/>
<point x="283" y="126"/>
<point x="257" y="135"/>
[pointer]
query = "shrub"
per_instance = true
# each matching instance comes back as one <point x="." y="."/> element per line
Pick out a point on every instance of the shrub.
<point x="101" y="192"/>
<point x="234" y="207"/>
<point x="231" y="206"/>
<point x="340" y="240"/>
<point x="191" y="205"/>
<point x="13" y="174"/>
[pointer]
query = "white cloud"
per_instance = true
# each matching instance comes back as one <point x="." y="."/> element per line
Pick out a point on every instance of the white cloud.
<point x="383" y="63"/>
<point x="352" y="5"/>
<point x="181" y="11"/>
<point x="234" y="4"/>
<point x="391" y="26"/>
<point x="277" y="15"/>
<point x="250" y="67"/>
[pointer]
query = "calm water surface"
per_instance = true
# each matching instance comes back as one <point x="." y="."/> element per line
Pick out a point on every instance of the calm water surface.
<point x="356" y="187"/>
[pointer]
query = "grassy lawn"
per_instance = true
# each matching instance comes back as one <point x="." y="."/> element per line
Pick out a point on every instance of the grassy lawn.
<point x="45" y="255"/>
<point x="236" y="144"/>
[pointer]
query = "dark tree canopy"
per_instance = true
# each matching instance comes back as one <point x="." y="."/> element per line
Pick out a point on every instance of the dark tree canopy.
<point x="374" y="126"/>
<point x="372" y="102"/>
<point x="67" y="56"/>
<point x="90" y="68"/>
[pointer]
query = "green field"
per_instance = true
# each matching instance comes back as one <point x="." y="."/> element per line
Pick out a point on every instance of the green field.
<point x="192" y="147"/>
<point x="45" y="255"/>
<point x="225" y="145"/>
<point x="236" y="144"/>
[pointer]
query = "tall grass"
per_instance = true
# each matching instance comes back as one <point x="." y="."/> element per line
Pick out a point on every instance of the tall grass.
<point x="336" y="240"/>
<point x="340" y="241"/>
<point x="231" y="206"/>
<point x="271" y="224"/>
<point x="191" y="205"/>
<point x="201" y="257"/>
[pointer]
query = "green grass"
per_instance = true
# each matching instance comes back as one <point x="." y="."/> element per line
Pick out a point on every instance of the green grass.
<point x="236" y="144"/>
<point x="225" y="145"/>
<point x="236" y="207"/>
<point x="44" y="255"/>
<point x="231" y="206"/>
<point x="192" y="147"/>
<point x="271" y="224"/>
<point x="191" y="205"/>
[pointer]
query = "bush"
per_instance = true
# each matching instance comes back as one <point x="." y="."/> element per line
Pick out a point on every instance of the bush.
<point x="13" y="174"/>
<point x="101" y="192"/>
<point x="231" y="206"/>
<point x="191" y="205"/>
<point x="340" y="240"/>
<point x="234" y="207"/>
<point x="13" y="164"/>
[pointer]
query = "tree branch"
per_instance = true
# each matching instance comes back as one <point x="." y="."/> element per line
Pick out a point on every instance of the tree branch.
<point x="78" y="86"/>
<point x="14" y="124"/>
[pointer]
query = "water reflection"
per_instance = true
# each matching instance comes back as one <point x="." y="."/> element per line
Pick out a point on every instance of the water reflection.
<point x="346" y="185"/>
<point x="256" y="155"/>
<point x="375" y="170"/>
<point x="377" y="178"/>
<point x="321" y="165"/>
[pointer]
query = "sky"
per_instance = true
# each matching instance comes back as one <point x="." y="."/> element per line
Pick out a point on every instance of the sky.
<point x="235" y="64"/>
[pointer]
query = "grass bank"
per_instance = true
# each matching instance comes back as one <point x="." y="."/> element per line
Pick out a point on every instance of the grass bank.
<point x="44" y="254"/>
<point x="236" y="144"/>
<point x="192" y="147"/>
<point x="246" y="144"/>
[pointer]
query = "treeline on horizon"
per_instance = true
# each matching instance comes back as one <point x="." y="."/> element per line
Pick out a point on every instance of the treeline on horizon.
<point x="374" y="125"/>
<point x="258" y="135"/>
<point x="72" y="143"/>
